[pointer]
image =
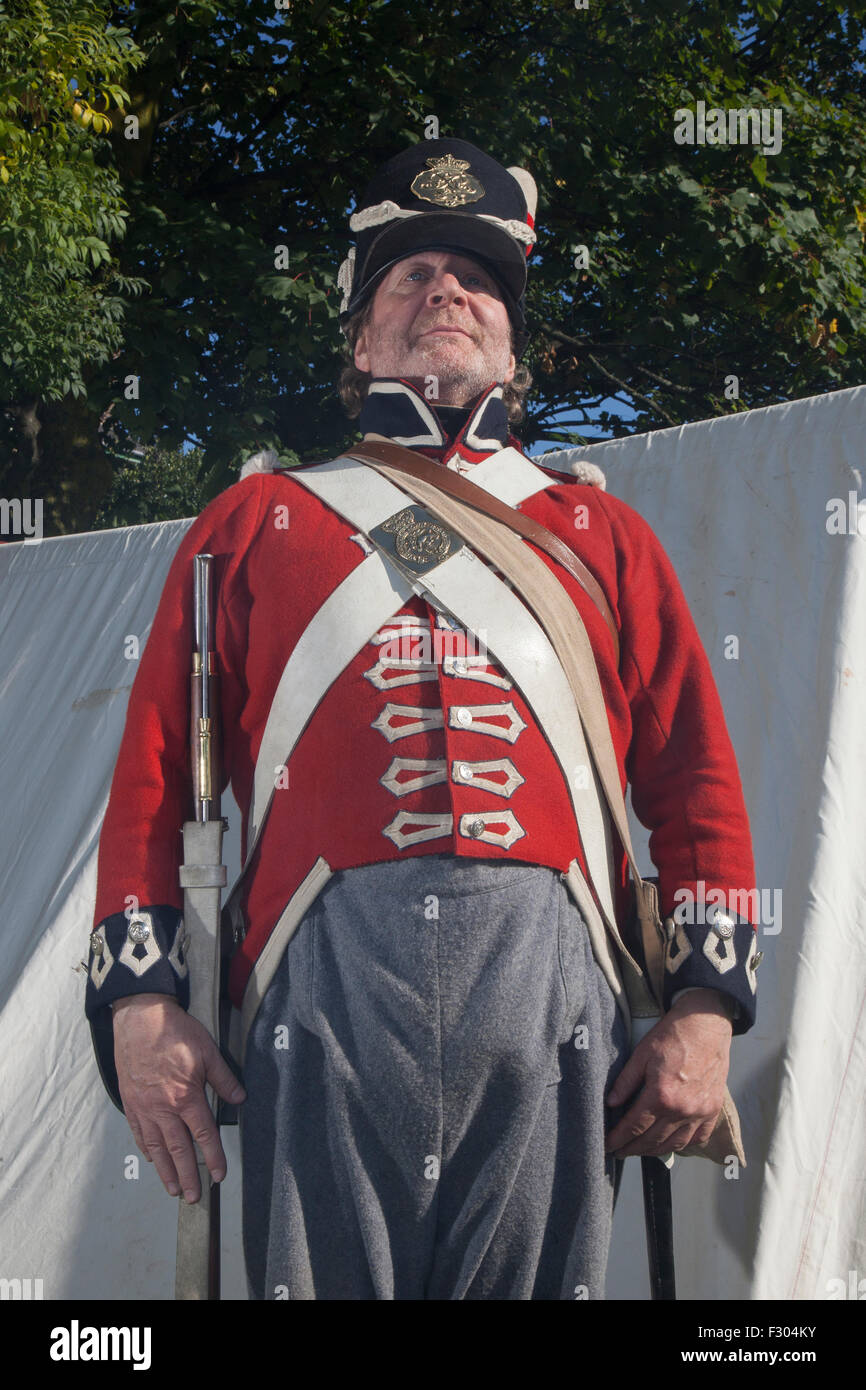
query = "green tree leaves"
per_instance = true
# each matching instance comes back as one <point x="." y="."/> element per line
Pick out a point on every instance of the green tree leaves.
<point x="256" y="125"/>
<point x="61" y="200"/>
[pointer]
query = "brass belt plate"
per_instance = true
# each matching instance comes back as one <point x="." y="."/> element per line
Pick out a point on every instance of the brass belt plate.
<point x="415" y="539"/>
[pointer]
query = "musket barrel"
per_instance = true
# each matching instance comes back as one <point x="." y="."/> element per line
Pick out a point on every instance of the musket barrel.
<point x="201" y="875"/>
<point x="203" y="637"/>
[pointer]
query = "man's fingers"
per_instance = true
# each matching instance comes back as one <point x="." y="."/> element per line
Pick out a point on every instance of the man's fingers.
<point x="166" y="1141"/>
<point x="658" y="1141"/>
<point x="148" y="1137"/>
<point x="645" y="1131"/>
<point x="681" y="1137"/>
<point x="648" y="1127"/>
<point x="178" y="1141"/>
<point x="152" y="1145"/>
<point x="635" y="1123"/>
<point x="628" y="1080"/>
<point x="703" y="1132"/>
<point x="220" y="1076"/>
<point x="136" y="1131"/>
<point x="200" y="1123"/>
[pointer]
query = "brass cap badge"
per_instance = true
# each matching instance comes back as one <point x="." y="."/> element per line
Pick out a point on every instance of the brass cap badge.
<point x="446" y="182"/>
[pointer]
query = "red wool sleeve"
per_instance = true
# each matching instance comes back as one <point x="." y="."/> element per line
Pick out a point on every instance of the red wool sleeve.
<point x="140" y="848"/>
<point x="685" y="784"/>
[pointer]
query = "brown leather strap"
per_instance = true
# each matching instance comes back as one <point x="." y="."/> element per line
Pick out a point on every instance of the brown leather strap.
<point x="417" y="466"/>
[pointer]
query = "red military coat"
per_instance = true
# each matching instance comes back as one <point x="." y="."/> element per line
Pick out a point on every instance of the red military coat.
<point x="437" y="742"/>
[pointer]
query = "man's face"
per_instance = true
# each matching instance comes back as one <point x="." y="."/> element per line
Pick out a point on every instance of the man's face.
<point x="438" y="314"/>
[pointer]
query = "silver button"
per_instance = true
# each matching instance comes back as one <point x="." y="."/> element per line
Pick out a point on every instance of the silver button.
<point x="464" y="771"/>
<point x="756" y="960"/>
<point x="138" y="931"/>
<point x="97" y="945"/>
<point x="463" y="716"/>
<point x="460" y="667"/>
<point x="723" y="925"/>
<point x="475" y="828"/>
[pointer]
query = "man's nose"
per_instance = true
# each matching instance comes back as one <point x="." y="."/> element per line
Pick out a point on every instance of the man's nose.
<point x="446" y="287"/>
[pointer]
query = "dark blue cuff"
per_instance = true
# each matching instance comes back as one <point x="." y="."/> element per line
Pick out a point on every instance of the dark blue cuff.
<point x="144" y="953"/>
<point x="720" y="953"/>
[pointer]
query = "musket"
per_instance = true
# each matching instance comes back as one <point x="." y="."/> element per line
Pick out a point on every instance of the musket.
<point x="655" y="1172"/>
<point x="202" y="876"/>
<point x="657" y="1201"/>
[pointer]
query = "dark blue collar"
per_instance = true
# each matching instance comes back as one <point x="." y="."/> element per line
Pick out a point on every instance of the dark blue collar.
<point x="398" y="409"/>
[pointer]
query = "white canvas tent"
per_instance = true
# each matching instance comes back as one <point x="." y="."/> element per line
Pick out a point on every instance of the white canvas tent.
<point x="745" y="507"/>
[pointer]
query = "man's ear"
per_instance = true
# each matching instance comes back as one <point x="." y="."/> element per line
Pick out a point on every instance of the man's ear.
<point x="362" y="357"/>
<point x="512" y="367"/>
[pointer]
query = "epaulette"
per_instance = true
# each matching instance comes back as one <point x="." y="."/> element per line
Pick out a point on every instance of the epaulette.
<point x="562" y="465"/>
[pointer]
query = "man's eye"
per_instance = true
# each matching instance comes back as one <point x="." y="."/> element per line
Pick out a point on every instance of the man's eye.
<point x="470" y="275"/>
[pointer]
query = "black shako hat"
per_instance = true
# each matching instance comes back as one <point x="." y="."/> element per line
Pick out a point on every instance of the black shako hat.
<point x="443" y="195"/>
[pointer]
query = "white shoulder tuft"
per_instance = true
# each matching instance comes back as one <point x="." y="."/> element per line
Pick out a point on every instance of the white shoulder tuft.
<point x="586" y="472"/>
<point x="264" y="462"/>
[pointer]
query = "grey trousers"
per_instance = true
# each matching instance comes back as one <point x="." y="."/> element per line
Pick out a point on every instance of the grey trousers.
<point x="426" y="1077"/>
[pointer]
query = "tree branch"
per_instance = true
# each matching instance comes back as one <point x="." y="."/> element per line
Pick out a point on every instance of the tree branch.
<point x="630" y="391"/>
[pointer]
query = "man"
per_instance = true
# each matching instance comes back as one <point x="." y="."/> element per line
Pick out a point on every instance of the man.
<point x="428" y="1039"/>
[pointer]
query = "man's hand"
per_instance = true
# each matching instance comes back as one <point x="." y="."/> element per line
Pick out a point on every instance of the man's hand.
<point x="164" y="1057"/>
<point x="677" y="1076"/>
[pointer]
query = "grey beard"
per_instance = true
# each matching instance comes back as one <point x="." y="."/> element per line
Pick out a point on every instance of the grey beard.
<point x="461" y="385"/>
